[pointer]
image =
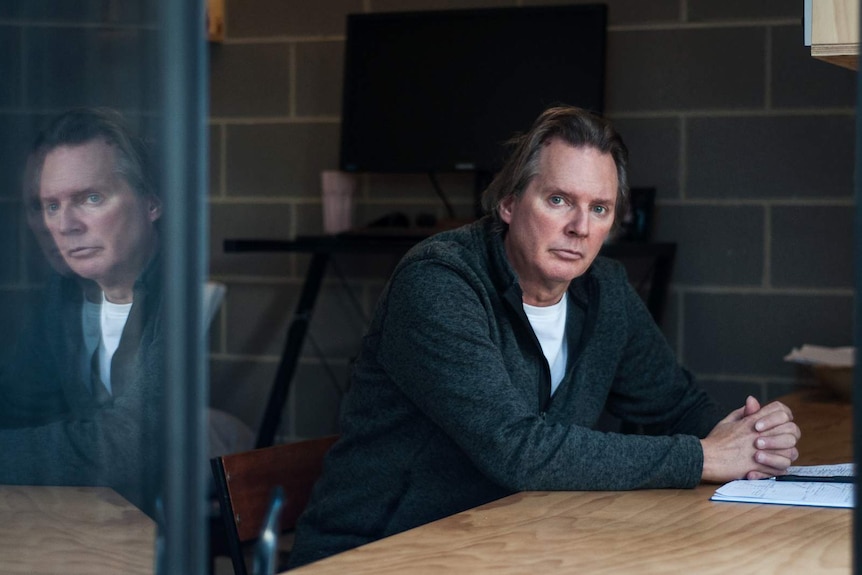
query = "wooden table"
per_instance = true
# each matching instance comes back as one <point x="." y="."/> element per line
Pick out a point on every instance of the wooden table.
<point x="652" y="531"/>
<point x="73" y="530"/>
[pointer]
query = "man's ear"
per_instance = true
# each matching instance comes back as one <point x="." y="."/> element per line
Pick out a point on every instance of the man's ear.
<point x="504" y="209"/>
<point x="154" y="208"/>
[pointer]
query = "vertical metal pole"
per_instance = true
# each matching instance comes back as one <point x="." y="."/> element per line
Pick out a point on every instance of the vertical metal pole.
<point x="857" y="328"/>
<point x="184" y="180"/>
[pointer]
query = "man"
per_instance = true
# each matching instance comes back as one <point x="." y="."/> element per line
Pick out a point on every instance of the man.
<point x="495" y="348"/>
<point x="80" y="403"/>
<point x="84" y="393"/>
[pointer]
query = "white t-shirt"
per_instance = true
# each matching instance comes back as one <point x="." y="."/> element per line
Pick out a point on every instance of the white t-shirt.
<point x="113" y="320"/>
<point x="549" y="325"/>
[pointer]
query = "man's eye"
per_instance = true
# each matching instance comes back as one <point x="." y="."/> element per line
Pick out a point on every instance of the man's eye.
<point x="51" y="207"/>
<point x="600" y="209"/>
<point x="557" y="200"/>
<point x="94" y="198"/>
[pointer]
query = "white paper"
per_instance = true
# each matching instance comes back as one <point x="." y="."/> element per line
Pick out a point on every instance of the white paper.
<point x="212" y="298"/>
<point x="793" y="492"/>
<point x="819" y="355"/>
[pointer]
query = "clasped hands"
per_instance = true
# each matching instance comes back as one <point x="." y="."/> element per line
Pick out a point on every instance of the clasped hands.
<point x="752" y="442"/>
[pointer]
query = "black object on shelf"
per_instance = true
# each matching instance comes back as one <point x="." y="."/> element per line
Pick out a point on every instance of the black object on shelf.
<point x="636" y="224"/>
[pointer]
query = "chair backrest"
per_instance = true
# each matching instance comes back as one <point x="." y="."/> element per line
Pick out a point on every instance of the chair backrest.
<point x="245" y="482"/>
<point x="649" y="268"/>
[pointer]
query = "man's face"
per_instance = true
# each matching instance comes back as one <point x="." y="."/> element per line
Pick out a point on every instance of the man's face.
<point x="36" y="223"/>
<point x="103" y="229"/>
<point x="558" y="226"/>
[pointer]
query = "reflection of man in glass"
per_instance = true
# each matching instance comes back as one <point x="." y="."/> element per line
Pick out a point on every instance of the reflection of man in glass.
<point x="102" y="227"/>
<point x="81" y="406"/>
<point x="36" y="222"/>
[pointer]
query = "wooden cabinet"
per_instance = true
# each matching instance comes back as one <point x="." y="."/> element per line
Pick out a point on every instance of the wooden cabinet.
<point x="832" y="29"/>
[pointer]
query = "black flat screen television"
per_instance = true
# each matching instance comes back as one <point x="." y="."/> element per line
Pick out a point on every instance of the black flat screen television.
<point x="441" y="91"/>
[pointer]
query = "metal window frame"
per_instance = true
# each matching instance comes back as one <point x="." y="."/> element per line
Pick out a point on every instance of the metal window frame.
<point x="183" y="62"/>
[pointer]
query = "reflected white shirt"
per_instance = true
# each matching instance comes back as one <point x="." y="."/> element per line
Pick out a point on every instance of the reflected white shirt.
<point x="113" y="320"/>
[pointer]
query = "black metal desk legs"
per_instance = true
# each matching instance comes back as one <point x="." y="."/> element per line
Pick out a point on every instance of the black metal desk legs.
<point x="292" y="348"/>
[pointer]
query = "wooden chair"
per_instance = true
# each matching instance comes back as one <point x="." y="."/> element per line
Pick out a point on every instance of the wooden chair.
<point x="245" y="483"/>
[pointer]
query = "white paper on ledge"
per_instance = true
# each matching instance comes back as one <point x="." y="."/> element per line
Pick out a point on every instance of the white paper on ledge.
<point x="213" y="296"/>
<point x="819" y="355"/>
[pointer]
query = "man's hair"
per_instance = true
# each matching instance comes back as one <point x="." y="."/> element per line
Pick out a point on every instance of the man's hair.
<point x="84" y="125"/>
<point x="574" y="126"/>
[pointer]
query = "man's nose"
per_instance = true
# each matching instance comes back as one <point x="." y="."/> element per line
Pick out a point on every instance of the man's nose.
<point x="579" y="223"/>
<point x="68" y="221"/>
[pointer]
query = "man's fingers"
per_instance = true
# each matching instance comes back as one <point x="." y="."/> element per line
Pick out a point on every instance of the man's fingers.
<point x="776" y="441"/>
<point x="790" y="453"/>
<point x="758" y="475"/>
<point x="775" y="407"/>
<point x="774" y="460"/>
<point x="751" y="406"/>
<point x="765" y="421"/>
<point x="735" y="415"/>
<point x="786" y="428"/>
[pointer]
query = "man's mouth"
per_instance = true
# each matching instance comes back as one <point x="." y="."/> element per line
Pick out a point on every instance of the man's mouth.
<point x="568" y="254"/>
<point x="81" y="252"/>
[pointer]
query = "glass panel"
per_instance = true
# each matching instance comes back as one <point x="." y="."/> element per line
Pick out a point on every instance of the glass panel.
<point x="102" y="379"/>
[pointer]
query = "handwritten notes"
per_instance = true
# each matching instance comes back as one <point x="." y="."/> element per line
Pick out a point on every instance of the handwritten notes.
<point x="793" y="492"/>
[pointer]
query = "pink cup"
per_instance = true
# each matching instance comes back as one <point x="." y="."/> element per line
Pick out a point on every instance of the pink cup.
<point x="337" y="191"/>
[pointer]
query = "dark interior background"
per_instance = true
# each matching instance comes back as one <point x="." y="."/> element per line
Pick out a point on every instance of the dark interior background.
<point x="747" y="140"/>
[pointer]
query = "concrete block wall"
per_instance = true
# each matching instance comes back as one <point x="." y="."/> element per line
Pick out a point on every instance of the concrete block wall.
<point x="747" y="139"/>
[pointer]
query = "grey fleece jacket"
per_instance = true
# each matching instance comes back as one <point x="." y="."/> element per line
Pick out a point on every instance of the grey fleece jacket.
<point x="54" y="431"/>
<point x="449" y="405"/>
